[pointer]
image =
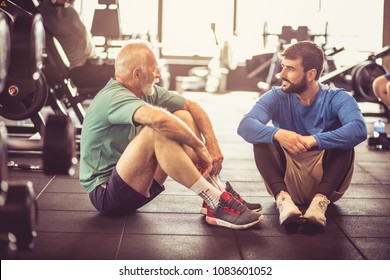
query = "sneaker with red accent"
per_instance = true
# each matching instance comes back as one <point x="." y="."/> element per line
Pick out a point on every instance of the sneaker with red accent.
<point x="232" y="214"/>
<point x="251" y="206"/>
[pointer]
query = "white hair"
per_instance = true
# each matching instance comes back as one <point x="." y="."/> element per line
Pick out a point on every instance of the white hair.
<point x="132" y="55"/>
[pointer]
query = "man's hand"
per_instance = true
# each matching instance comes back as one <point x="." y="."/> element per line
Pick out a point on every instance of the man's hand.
<point x="293" y="142"/>
<point x="216" y="155"/>
<point x="205" y="163"/>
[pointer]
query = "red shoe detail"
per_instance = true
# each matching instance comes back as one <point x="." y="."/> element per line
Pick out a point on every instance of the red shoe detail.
<point x="231" y="211"/>
<point x="226" y="196"/>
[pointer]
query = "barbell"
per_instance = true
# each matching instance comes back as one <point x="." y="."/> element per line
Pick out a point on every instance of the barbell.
<point x="288" y="33"/>
<point x="58" y="146"/>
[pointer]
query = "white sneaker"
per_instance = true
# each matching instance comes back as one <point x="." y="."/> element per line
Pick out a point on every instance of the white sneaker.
<point x="288" y="211"/>
<point x="316" y="211"/>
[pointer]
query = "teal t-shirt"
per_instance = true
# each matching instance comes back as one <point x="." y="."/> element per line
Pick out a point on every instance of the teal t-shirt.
<point x="108" y="128"/>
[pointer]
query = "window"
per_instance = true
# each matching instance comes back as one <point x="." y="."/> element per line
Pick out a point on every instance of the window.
<point x="186" y="26"/>
<point x="356" y="29"/>
<point x="139" y="17"/>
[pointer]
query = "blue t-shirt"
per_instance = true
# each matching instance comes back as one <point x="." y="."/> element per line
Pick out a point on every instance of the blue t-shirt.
<point x="334" y="118"/>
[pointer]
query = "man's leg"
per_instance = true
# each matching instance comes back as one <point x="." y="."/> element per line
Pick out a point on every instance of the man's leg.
<point x="336" y="164"/>
<point x="271" y="163"/>
<point x="138" y="164"/>
<point x="187" y="118"/>
<point x="381" y="87"/>
<point x="150" y="151"/>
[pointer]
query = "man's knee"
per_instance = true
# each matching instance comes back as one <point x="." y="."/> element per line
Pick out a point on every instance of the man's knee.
<point x="380" y="85"/>
<point x="184" y="115"/>
<point x="187" y="118"/>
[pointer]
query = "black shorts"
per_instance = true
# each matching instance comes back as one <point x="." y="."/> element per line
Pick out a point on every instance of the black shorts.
<point x="115" y="197"/>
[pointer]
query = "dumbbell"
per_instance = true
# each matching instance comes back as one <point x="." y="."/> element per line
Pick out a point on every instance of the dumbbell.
<point x="58" y="145"/>
<point x="18" y="208"/>
<point x="19" y="217"/>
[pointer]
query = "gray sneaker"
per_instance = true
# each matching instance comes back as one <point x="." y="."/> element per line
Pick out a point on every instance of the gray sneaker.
<point x="232" y="214"/>
<point x="251" y="206"/>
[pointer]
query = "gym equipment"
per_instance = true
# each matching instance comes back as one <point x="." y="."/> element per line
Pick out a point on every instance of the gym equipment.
<point x="19" y="215"/>
<point x="288" y="34"/>
<point x="18" y="208"/>
<point x="266" y="66"/>
<point x="358" y="78"/>
<point x="363" y="75"/>
<point x="4" y="49"/>
<point x="58" y="146"/>
<point x="23" y="98"/>
<point x="27" y="46"/>
<point x="11" y="8"/>
<point x="25" y="91"/>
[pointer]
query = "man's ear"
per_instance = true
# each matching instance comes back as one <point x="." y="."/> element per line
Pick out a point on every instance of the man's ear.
<point x="311" y="74"/>
<point x="137" y="73"/>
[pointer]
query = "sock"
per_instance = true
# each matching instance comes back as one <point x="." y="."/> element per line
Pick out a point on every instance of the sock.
<point x="207" y="192"/>
<point x="216" y="182"/>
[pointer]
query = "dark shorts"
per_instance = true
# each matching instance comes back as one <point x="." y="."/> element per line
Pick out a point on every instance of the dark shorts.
<point x="117" y="198"/>
<point x="387" y="76"/>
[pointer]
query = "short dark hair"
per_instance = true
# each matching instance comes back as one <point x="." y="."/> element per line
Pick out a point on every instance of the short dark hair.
<point x="311" y="54"/>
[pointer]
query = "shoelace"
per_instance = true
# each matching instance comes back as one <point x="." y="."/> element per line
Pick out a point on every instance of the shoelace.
<point x="234" y="205"/>
<point x="230" y="190"/>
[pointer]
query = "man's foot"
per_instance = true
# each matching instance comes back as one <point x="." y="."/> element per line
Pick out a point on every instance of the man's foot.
<point x="316" y="211"/>
<point x="251" y="206"/>
<point x="288" y="211"/>
<point x="232" y="214"/>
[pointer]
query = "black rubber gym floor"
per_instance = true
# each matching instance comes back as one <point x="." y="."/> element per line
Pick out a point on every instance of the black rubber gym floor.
<point x="170" y="227"/>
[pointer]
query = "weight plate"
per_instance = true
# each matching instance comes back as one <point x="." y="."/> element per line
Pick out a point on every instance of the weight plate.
<point x="5" y="49"/>
<point x="27" y="46"/>
<point x="363" y="76"/>
<point x="22" y="98"/>
<point x="19" y="215"/>
<point x="59" y="145"/>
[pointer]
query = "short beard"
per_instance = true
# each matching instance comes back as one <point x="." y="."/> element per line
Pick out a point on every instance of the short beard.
<point x="148" y="89"/>
<point x="296" y="88"/>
